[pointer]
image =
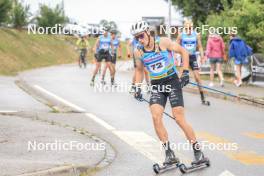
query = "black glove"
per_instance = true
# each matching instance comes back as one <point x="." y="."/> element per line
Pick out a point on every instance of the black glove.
<point x="138" y="95"/>
<point x="184" y="78"/>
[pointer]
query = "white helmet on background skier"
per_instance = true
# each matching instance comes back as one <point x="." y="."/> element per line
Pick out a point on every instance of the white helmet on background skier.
<point x="139" y="27"/>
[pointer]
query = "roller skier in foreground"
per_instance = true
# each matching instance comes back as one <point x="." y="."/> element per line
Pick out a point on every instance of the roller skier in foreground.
<point x="156" y="55"/>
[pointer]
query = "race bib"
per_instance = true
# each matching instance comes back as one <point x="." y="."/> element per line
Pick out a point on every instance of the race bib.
<point x="105" y="46"/>
<point x="157" y="67"/>
<point x="189" y="46"/>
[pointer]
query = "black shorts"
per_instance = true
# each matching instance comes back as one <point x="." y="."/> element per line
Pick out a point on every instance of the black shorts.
<point x="193" y="62"/>
<point x="103" y="55"/>
<point x="159" y="96"/>
<point x="113" y="60"/>
<point x="96" y="56"/>
<point x="216" y="60"/>
<point x="83" y="53"/>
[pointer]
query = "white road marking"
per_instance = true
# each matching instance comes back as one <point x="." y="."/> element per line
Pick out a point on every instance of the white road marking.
<point x="59" y="98"/>
<point x="226" y="173"/>
<point x="100" y="121"/>
<point x="147" y="145"/>
<point x="7" y="111"/>
<point x="143" y="143"/>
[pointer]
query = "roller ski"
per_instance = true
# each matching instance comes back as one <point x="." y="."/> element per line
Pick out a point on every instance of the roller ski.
<point x="171" y="162"/>
<point x="200" y="162"/>
<point x="207" y="103"/>
<point x="103" y="82"/>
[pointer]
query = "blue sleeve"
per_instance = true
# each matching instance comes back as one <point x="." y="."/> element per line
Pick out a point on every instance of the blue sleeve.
<point x="231" y="50"/>
<point x="249" y="50"/>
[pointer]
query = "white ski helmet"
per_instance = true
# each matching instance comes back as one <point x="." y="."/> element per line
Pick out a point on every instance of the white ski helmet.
<point x="138" y="27"/>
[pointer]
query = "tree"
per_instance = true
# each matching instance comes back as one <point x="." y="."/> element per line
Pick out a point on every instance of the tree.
<point x="5" y="7"/>
<point x="106" y="23"/>
<point x="198" y="10"/>
<point x="49" y="17"/>
<point x="103" y="23"/>
<point x="248" y="17"/>
<point x="19" y="15"/>
<point x="113" y="25"/>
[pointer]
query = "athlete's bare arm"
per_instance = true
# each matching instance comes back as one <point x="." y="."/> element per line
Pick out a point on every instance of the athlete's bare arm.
<point x="178" y="40"/>
<point x="96" y="45"/>
<point x="128" y="49"/>
<point x="139" y="68"/>
<point x="200" y="47"/>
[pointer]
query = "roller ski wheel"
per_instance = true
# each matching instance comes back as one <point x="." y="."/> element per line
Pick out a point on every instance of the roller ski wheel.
<point x="164" y="167"/>
<point x="196" y="165"/>
<point x="207" y="103"/>
<point x="183" y="168"/>
<point x="171" y="162"/>
<point x="113" y="84"/>
<point x="156" y="168"/>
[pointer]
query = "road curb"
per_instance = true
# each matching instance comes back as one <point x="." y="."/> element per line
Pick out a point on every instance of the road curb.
<point x="70" y="170"/>
<point x="55" y="105"/>
<point x="60" y="171"/>
<point x="194" y="90"/>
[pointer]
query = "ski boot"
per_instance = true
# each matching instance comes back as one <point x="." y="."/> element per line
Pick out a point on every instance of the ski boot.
<point x="204" y="102"/>
<point x="170" y="158"/>
<point x="199" y="158"/>
<point x="133" y="89"/>
<point x="199" y="163"/>
<point x="222" y="84"/>
<point x="113" y="82"/>
<point x="92" y="83"/>
<point x="170" y="162"/>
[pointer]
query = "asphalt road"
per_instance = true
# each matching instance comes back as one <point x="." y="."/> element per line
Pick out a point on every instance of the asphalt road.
<point x="127" y="125"/>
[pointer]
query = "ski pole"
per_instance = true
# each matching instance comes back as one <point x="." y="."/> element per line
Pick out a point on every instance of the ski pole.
<point x="226" y="93"/>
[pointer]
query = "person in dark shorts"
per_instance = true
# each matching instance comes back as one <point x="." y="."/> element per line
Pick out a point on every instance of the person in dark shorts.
<point x="103" y="45"/>
<point x="116" y="51"/>
<point x="156" y="55"/>
<point x="191" y="41"/>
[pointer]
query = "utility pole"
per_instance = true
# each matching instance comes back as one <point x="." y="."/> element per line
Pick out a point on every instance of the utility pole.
<point x="169" y="19"/>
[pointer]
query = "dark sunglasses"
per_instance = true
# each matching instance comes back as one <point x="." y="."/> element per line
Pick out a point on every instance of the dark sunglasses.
<point x="140" y="36"/>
